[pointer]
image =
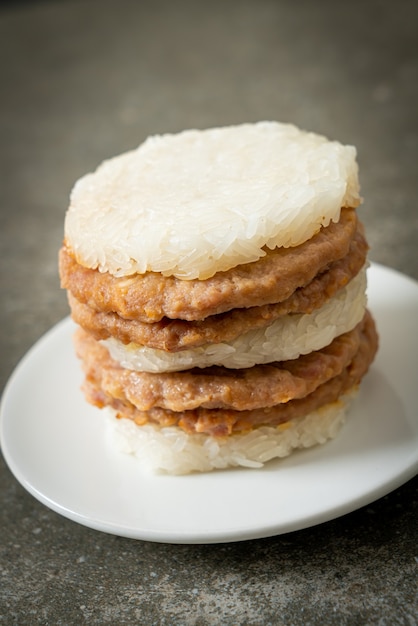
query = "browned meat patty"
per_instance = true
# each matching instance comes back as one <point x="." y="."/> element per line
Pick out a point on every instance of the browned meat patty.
<point x="312" y="381"/>
<point x="175" y="335"/>
<point x="151" y="297"/>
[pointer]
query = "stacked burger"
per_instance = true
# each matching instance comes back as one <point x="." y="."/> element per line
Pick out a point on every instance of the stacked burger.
<point x="218" y="280"/>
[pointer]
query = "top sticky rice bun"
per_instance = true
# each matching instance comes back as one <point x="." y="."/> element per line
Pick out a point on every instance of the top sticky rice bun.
<point x="199" y="202"/>
<point x="213" y="260"/>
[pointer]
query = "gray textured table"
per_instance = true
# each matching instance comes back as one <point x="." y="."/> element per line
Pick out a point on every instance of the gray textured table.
<point x="83" y="80"/>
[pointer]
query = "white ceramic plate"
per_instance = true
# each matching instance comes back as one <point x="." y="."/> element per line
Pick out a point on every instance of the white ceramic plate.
<point x="55" y="445"/>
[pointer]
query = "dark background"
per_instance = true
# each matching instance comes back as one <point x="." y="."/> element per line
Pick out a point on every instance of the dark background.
<point x="85" y="80"/>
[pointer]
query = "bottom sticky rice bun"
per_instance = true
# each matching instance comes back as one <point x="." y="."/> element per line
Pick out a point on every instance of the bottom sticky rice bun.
<point x="171" y="450"/>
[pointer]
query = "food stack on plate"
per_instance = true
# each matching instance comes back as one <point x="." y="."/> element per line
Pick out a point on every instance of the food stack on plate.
<point x="218" y="281"/>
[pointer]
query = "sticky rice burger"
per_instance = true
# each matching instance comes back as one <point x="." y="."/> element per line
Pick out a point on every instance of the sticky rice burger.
<point x="218" y="281"/>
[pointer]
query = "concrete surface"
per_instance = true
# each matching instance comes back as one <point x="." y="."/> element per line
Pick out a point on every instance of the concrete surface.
<point x="84" y="80"/>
